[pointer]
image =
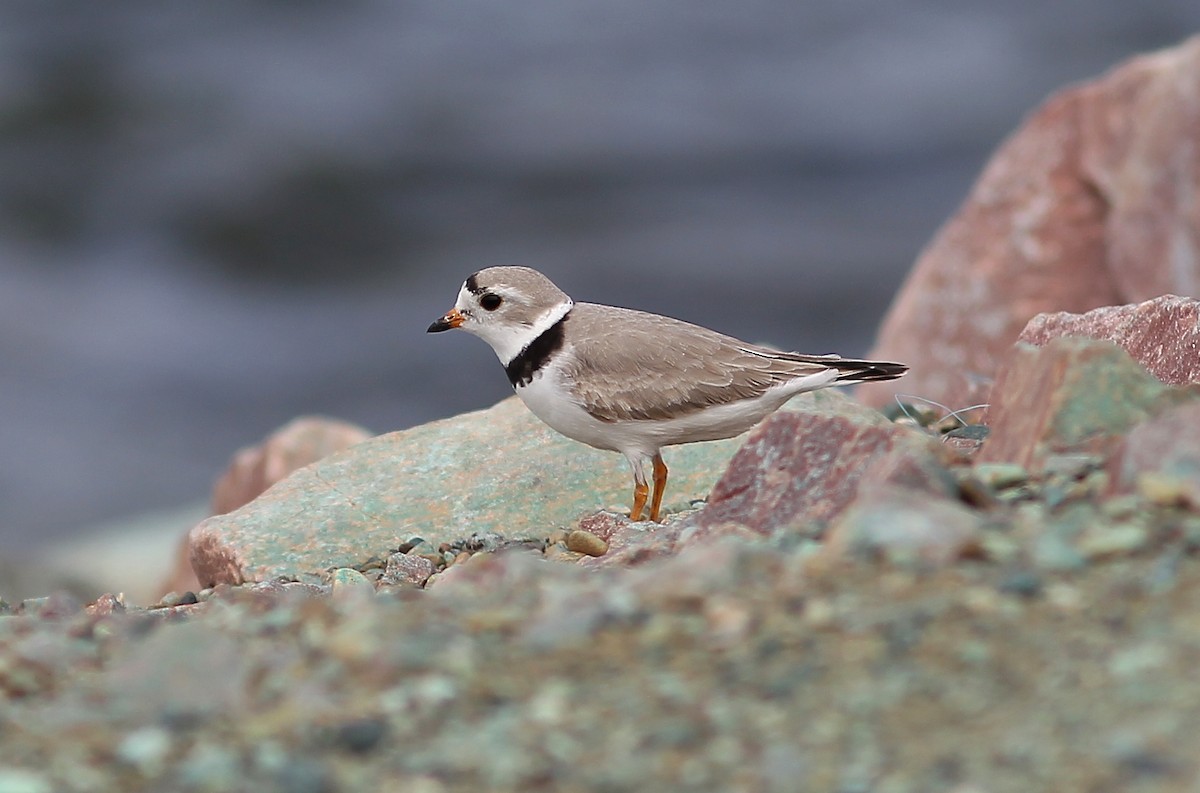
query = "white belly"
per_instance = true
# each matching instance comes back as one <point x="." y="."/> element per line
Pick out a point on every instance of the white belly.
<point x="549" y="398"/>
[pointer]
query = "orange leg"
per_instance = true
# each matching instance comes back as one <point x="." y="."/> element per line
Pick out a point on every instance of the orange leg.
<point x="660" y="486"/>
<point x="640" y="491"/>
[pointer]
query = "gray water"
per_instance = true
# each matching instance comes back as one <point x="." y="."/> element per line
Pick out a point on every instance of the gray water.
<point x="214" y="217"/>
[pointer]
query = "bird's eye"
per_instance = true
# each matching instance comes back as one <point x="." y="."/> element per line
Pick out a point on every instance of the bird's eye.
<point x="490" y="301"/>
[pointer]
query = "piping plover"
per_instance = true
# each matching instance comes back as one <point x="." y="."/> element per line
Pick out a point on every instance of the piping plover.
<point x="633" y="382"/>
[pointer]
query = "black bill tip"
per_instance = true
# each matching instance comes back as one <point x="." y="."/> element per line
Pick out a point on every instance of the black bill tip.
<point x="439" y="326"/>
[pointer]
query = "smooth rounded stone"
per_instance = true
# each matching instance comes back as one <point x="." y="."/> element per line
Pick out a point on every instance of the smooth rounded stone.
<point x="1164" y="489"/>
<point x="1024" y="583"/>
<point x="581" y="541"/>
<point x="921" y="415"/>
<point x="145" y="749"/>
<point x="360" y="736"/>
<point x="1105" y="541"/>
<point x="348" y="583"/>
<point x="1000" y="476"/>
<point x="18" y="780"/>
<point x="999" y="547"/>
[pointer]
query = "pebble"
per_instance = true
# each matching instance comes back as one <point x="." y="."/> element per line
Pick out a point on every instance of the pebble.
<point x="360" y="735"/>
<point x="1000" y="476"/>
<point x="1161" y="489"/>
<point x="407" y="569"/>
<point x="144" y="749"/>
<point x="172" y="599"/>
<point x="349" y="583"/>
<point x="1105" y="541"/>
<point x="585" y="542"/>
<point x="1023" y="583"/>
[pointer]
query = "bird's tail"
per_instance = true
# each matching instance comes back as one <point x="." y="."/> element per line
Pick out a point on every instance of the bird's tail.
<point x="850" y="371"/>
<point x="853" y="371"/>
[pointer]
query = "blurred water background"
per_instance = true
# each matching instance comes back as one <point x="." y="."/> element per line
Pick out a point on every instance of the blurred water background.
<point x="217" y="216"/>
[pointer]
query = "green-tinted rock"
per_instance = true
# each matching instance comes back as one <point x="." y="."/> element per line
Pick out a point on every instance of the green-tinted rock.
<point x="1073" y="396"/>
<point x="497" y="470"/>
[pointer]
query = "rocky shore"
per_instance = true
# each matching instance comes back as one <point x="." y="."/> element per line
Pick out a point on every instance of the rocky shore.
<point x="950" y="597"/>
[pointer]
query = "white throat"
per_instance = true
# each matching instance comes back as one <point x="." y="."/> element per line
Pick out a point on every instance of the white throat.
<point x="509" y="340"/>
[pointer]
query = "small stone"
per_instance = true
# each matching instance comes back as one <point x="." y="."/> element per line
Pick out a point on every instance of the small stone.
<point x="919" y="415"/>
<point x="360" y="735"/>
<point x="1106" y="541"/>
<point x="581" y="541"/>
<point x="107" y="604"/>
<point x="1163" y="489"/>
<point x="349" y="583"/>
<point x="1023" y="583"/>
<point x="145" y="749"/>
<point x="1000" y="476"/>
<point x="970" y="433"/>
<point x="407" y="569"/>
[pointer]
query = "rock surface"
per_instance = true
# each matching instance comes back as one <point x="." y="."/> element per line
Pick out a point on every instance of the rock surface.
<point x="906" y="527"/>
<point x="1090" y="203"/>
<point x="803" y="469"/>
<point x="254" y="469"/>
<point x="1163" y="334"/>
<point x="298" y="443"/>
<point x="1162" y="454"/>
<point x="490" y="471"/>
<point x="1073" y="396"/>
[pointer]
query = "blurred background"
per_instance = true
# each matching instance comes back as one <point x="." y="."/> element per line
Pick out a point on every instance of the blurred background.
<point x="215" y="217"/>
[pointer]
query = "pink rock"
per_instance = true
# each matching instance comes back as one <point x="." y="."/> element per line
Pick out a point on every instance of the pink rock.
<point x="1162" y="334"/>
<point x="403" y="568"/>
<point x="298" y="443"/>
<point x="251" y="472"/>
<point x="105" y="605"/>
<point x="1090" y="203"/>
<point x="803" y="469"/>
<point x="604" y="524"/>
<point x="1167" y="447"/>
